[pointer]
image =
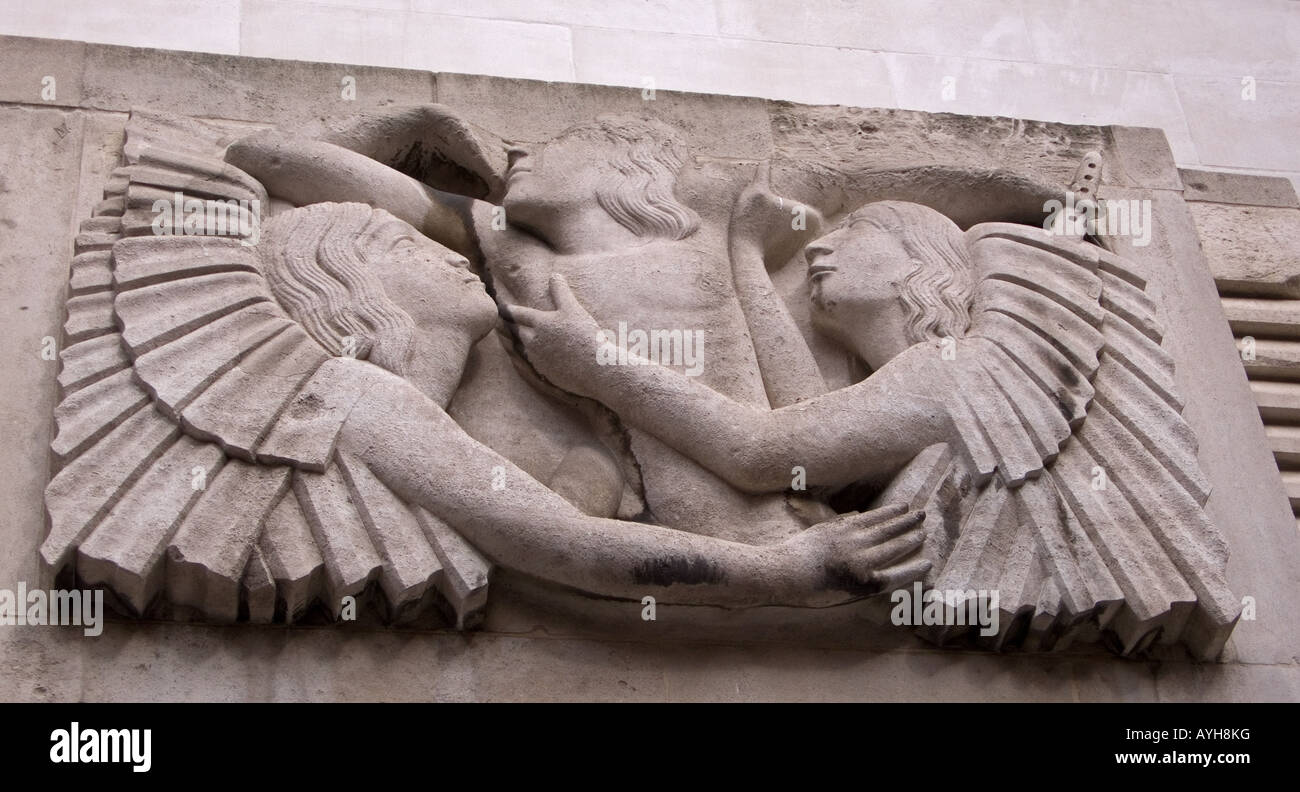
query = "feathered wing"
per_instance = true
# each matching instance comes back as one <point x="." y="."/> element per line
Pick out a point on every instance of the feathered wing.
<point x="194" y="459"/>
<point x="1077" y="494"/>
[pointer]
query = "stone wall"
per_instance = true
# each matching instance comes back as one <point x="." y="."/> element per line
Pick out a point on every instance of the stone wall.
<point x="1249" y="228"/>
<point x="1220" y="77"/>
<point x="54" y="157"/>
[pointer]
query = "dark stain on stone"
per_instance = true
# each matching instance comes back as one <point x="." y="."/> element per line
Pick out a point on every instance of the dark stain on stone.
<point x="306" y="405"/>
<point x="841" y="578"/>
<point x="668" y="570"/>
<point x="951" y="511"/>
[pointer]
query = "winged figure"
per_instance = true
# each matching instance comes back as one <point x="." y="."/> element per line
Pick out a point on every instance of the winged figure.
<point x="1018" y="394"/>
<point x="254" y="418"/>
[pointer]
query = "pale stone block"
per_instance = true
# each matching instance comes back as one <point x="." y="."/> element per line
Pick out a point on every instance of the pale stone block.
<point x="1048" y="93"/>
<point x="746" y="674"/>
<point x="303" y="31"/>
<point x="197" y="25"/>
<point x="1191" y="683"/>
<point x="482" y="46"/>
<point x="1256" y="39"/>
<point x="748" y="68"/>
<point x="979" y="28"/>
<point x="1231" y="131"/>
<point x="386" y="36"/>
<point x="1274" y="360"/>
<point x="41" y="72"/>
<point x="37" y="244"/>
<point x="1278" y="401"/>
<point x="392" y="5"/>
<point x="1143" y="159"/>
<point x="1285" y="442"/>
<point x="1195" y="37"/>
<point x="215" y="86"/>
<point x="1238" y="188"/>
<point x="1252" y="250"/>
<point x="1263" y="317"/>
<point x="665" y="16"/>
<point x="536" y="112"/>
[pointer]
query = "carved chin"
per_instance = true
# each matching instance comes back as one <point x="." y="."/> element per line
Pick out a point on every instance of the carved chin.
<point x="829" y="303"/>
<point x="824" y="320"/>
<point x="484" y="317"/>
<point x="817" y="295"/>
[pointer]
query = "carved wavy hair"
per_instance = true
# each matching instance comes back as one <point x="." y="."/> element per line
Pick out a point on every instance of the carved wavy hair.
<point x="647" y="156"/>
<point x="316" y="262"/>
<point x="939" y="288"/>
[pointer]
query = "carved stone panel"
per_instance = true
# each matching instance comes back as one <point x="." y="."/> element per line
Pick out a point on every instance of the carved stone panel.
<point x="890" y="369"/>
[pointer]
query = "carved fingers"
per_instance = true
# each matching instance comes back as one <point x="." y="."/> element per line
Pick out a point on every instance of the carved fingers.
<point x="562" y="297"/>
<point x="776" y="226"/>
<point x="560" y="343"/>
<point x="875" y="551"/>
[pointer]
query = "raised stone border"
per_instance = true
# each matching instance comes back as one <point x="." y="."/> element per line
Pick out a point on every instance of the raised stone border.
<point x="56" y="159"/>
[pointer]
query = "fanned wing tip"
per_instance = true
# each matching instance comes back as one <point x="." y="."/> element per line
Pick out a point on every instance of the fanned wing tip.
<point x="207" y="555"/>
<point x="291" y="554"/>
<point x="464" y="588"/>
<point x="160" y="492"/>
<point x="160" y="129"/>
<point x="409" y="564"/>
<point x="1066" y="396"/>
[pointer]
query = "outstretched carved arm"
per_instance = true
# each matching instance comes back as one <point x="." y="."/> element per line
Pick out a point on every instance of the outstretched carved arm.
<point x="422" y="454"/>
<point x="873" y="427"/>
<point x="766" y="228"/>
<point x="305" y="171"/>
<point x="430" y="142"/>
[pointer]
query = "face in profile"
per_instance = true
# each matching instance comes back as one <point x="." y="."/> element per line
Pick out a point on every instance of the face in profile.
<point x="545" y="181"/>
<point x="856" y="271"/>
<point x="433" y="285"/>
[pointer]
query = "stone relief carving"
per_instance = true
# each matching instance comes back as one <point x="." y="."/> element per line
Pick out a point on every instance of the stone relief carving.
<point x="390" y="356"/>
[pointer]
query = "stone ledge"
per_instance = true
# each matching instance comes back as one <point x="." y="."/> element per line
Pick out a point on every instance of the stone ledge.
<point x="1238" y="188"/>
<point x="168" y="662"/>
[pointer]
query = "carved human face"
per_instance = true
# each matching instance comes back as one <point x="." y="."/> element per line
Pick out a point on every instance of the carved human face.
<point x="433" y="285"/>
<point x="855" y="275"/>
<point x="545" y="182"/>
<point x="446" y="301"/>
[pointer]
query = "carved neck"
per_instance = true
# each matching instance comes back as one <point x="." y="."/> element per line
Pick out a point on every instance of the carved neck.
<point x="437" y="363"/>
<point x="587" y="229"/>
<point x="877" y="338"/>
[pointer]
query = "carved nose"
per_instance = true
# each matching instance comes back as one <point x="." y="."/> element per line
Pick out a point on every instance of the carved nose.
<point x="815" y="250"/>
<point x="514" y="154"/>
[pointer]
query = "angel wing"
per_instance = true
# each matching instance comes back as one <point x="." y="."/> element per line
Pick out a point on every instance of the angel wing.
<point x="193" y="466"/>
<point x="1078" y="495"/>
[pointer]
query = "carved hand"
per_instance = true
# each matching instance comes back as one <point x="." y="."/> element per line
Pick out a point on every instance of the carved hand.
<point x="861" y="554"/>
<point x="561" y="344"/>
<point x="776" y="227"/>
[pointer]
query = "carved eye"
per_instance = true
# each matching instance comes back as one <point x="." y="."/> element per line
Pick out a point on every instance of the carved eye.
<point x="404" y="245"/>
